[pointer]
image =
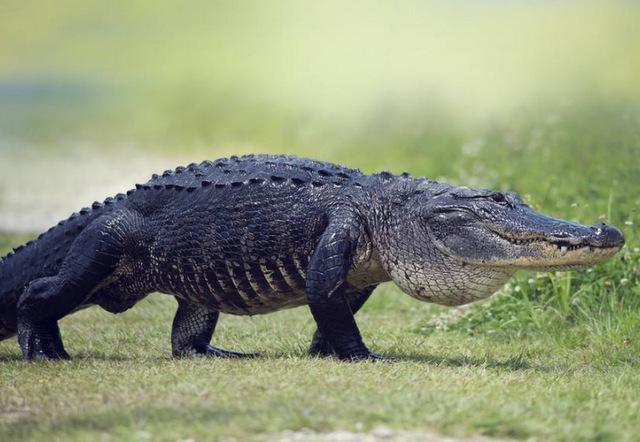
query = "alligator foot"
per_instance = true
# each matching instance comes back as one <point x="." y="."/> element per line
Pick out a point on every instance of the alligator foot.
<point x="320" y="348"/>
<point x="41" y="341"/>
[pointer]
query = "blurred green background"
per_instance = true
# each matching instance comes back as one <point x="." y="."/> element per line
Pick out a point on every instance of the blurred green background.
<point x="540" y="97"/>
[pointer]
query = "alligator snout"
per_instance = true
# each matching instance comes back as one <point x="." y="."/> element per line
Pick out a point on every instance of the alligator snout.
<point x="606" y="235"/>
<point x="600" y="236"/>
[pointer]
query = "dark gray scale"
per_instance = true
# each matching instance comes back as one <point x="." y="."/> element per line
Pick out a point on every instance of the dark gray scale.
<point x="193" y="285"/>
<point x="272" y="273"/>
<point x="242" y="286"/>
<point x="228" y="297"/>
<point x="256" y="278"/>
<point x="290" y="273"/>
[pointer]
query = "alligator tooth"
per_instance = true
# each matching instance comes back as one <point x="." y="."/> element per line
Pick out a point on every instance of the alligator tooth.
<point x="563" y="250"/>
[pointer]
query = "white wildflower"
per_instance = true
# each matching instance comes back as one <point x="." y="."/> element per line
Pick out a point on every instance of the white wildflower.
<point x="623" y="281"/>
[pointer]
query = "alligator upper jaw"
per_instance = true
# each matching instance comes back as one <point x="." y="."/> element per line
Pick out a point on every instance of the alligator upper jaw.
<point x="538" y="253"/>
<point x="571" y="237"/>
<point x="562" y="245"/>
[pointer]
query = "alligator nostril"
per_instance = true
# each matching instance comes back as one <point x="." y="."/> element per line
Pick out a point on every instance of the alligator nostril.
<point x="615" y="238"/>
<point x="600" y="228"/>
<point x="608" y="236"/>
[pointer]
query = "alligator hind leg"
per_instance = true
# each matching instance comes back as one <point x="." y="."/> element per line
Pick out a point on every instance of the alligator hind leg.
<point x="193" y="327"/>
<point x="93" y="256"/>
<point x="40" y="339"/>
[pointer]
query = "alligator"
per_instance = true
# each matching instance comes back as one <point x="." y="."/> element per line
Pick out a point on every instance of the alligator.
<point x="259" y="233"/>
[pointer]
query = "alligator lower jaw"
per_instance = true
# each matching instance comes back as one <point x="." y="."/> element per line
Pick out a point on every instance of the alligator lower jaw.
<point x="551" y="256"/>
<point x="540" y="254"/>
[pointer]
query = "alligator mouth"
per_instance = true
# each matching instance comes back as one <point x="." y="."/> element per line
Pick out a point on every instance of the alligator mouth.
<point x="563" y="246"/>
<point x="563" y="243"/>
<point x="538" y="251"/>
<point x="544" y="254"/>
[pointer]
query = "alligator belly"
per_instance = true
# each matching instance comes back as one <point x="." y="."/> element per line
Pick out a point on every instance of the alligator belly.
<point x="240" y="288"/>
<point x="239" y="305"/>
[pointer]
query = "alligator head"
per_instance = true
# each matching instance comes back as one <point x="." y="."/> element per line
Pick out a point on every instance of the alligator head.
<point x="461" y="244"/>
<point x="484" y="228"/>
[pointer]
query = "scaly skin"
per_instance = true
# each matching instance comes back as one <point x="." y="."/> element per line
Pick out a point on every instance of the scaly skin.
<point x="256" y="234"/>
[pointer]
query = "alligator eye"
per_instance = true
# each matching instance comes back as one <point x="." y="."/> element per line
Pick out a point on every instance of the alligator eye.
<point x="498" y="197"/>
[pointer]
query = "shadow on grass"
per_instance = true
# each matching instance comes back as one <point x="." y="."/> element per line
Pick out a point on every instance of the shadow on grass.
<point x="88" y="356"/>
<point x="10" y="357"/>
<point x="106" y="357"/>
<point x="514" y="363"/>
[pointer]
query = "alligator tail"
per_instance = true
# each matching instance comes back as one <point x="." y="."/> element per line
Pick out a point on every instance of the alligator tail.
<point x="39" y="258"/>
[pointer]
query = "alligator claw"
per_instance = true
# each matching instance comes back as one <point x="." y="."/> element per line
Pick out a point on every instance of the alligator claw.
<point x="369" y="356"/>
<point x="321" y="349"/>
<point x="212" y="351"/>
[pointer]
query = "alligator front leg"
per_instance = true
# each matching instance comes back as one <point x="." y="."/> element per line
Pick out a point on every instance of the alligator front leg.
<point x="193" y="327"/>
<point x="319" y="346"/>
<point x="326" y="281"/>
